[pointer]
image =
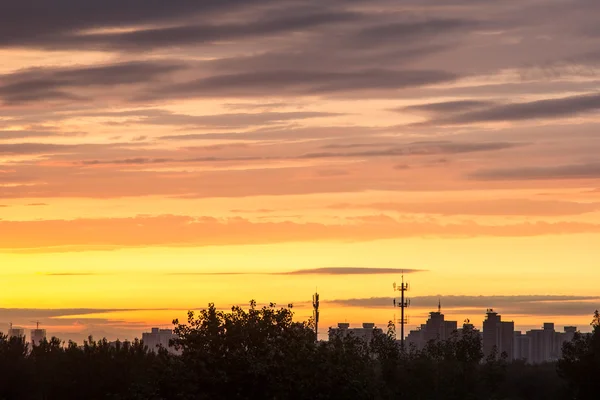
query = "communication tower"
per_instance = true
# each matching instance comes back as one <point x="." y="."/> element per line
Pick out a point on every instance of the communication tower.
<point x="316" y="314"/>
<point x="402" y="303"/>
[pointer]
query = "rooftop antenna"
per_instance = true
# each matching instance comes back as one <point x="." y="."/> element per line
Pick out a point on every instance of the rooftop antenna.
<point x="316" y="314"/>
<point x="37" y="324"/>
<point x="439" y="305"/>
<point x="403" y="303"/>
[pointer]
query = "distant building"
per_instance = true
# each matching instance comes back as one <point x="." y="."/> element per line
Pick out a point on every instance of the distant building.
<point x="159" y="338"/>
<point x="16" y="333"/>
<point x="522" y="349"/>
<point x="436" y="328"/>
<point x="365" y="333"/>
<point x="38" y="336"/>
<point x="569" y="333"/>
<point x="114" y="343"/>
<point x="546" y="344"/>
<point x="498" y="335"/>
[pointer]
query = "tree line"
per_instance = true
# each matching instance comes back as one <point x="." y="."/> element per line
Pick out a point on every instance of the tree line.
<point x="261" y="353"/>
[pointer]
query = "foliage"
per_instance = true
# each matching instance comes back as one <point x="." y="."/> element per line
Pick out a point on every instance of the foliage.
<point x="580" y="365"/>
<point x="262" y="353"/>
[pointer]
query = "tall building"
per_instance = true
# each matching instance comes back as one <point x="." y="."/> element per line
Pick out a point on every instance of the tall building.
<point x="542" y="344"/>
<point x="546" y="343"/>
<point x="16" y="333"/>
<point x="37" y="336"/>
<point x="569" y="333"/>
<point x="436" y="328"/>
<point x="522" y="349"/>
<point x="498" y="335"/>
<point x="365" y="333"/>
<point x="159" y="338"/>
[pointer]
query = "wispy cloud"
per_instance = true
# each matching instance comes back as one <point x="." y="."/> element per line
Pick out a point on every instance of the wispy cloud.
<point x="539" y="109"/>
<point x="574" y="171"/>
<point x="500" y="207"/>
<point x="550" y="305"/>
<point x="170" y="230"/>
<point x="317" y="271"/>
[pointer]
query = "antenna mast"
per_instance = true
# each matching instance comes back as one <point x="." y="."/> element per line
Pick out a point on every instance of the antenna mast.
<point x="403" y="303"/>
<point x="316" y="314"/>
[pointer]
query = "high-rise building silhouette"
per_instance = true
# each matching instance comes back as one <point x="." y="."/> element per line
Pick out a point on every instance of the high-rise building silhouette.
<point x="37" y="336"/>
<point x="522" y="349"/>
<point x="542" y="345"/>
<point x="16" y="332"/>
<point x="157" y="338"/>
<point x="365" y="333"/>
<point x="436" y="328"/>
<point x="498" y="335"/>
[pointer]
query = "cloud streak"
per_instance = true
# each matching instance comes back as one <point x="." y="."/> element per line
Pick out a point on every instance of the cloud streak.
<point x="499" y="207"/>
<point x="177" y="231"/>
<point x="63" y="83"/>
<point x="540" y="109"/>
<point x="523" y="305"/>
<point x="574" y="171"/>
<point x="298" y="82"/>
<point x="317" y="271"/>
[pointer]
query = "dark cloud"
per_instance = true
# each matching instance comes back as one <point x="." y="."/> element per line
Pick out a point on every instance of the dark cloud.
<point x="10" y="313"/>
<point x="410" y="30"/>
<point x="157" y="116"/>
<point x="417" y="148"/>
<point x="332" y="57"/>
<point x="167" y="160"/>
<point x="229" y="120"/>
<point x="540" y="109"/>
<point x="258" y="106"/>
<point x="573" y="171"/>
<point x="447" y="106"/>
<point x="147" y="39"/>
<point x="422" y="148"/>
<point x="512" y="305"/>
<point x="299" y="82"/>
<point x="279" y="133"/>
<point x="54" y="83"/>
<point x="36" y="21"/>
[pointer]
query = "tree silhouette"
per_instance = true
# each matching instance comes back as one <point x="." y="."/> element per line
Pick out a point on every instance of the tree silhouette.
<point x="580" y="363"/>
<point x="263" y="353"/>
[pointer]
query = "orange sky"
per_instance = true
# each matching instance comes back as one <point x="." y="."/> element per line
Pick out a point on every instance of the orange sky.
<point x="154" y="159"/>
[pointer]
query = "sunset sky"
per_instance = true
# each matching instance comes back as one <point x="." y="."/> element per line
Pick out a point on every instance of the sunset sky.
<point x="156" y="156"/>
